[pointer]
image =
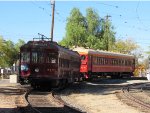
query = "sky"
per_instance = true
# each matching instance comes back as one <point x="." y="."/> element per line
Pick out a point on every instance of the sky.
<point x="25" y="19"/>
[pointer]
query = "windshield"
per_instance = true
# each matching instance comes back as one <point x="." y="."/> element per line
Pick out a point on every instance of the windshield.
<point x="25" y="57"/>
<point x="83" y="57"/>
<point x="37" y="57"/>
<point x="51" y="58"/>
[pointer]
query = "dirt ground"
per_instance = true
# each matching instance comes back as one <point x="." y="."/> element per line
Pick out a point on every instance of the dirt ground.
<point x="91" y="97"/>
<point x="95" y="98"/>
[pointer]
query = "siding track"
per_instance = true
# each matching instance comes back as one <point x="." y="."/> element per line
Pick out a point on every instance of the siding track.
<point x="136" y="95"/>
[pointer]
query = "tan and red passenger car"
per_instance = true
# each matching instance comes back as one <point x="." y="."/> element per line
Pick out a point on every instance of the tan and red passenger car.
<point x="103" y="63"/>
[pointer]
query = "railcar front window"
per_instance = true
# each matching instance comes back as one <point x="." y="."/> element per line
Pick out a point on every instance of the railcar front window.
<point x="37" y="57"/>
<point x="41" y="57"/>
<point x="34" y="57"/>
<point x="83" y="57"/>
<point x="51" y="58"/>
<point x="25" y="57"/>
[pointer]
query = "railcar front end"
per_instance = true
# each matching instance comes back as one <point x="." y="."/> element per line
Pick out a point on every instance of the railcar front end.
<point x="39" y="66"/>
<point x="45" y="63"/>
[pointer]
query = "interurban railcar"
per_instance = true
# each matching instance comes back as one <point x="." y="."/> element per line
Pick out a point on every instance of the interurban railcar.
<point x="103" y="63"/>
<point x="45" y="62"/>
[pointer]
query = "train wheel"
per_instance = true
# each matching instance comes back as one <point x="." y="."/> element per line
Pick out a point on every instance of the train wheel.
<point x="33" y="85"/>
<point x="62" y="84"/>
<point x="80" y="79"/>
<point x="21" y="82"/>
<point x="116" y="76"/>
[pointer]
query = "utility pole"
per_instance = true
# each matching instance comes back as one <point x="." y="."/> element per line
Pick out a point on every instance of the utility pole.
<point x="106" y="30"/>
<point x="52" y="25"/>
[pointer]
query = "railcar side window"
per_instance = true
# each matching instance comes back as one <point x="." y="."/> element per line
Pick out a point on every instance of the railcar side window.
<point x="25" y="57"/>
<point x="106" y="61"/>
<point x="120" y="62"/>
<point x="133" y="62"/>
<point x="102" y="61"/>
<point x="64" y="63"/>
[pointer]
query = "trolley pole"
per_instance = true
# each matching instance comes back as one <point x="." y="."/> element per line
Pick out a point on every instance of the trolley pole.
<point x="52" y="25"/>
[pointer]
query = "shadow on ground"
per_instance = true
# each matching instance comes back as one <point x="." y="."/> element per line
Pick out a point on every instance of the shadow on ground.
<point x="28" y="109"/>
<point x="100" y="86"/>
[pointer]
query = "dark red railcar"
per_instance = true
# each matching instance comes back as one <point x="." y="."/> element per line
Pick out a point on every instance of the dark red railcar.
<point x="45" y="62"/>
<point x="103" y="63"/>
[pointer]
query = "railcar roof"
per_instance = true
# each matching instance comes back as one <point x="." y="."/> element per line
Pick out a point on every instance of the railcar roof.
<point x="48" y="44"/>
<point x="67" y="50"/>
<point x="91" y="51"/>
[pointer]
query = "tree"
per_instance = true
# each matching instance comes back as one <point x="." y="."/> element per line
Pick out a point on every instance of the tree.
<point x="125" y="46"/>
<point x="93" y="30"/>
<point x="75" y="29"/>
<point x="93" y="22"/>
<point x="2" y="61"/>
<point x="90" y="31"/>
<point x="107" y="34"/>
<point x="19" y="44"/>
<point x="8" y="52"/>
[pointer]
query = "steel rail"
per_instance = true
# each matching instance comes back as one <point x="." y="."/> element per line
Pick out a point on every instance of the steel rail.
<point x="77" y="110"/>
<point x="127" y="94"/>
<point x="55" y="99"/>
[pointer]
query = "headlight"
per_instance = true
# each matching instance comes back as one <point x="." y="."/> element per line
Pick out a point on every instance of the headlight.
<point x="36" y="70"/>
<point x="24" y="68"/>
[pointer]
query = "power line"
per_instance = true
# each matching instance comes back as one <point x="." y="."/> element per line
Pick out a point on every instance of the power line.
<point x="115" y="6"/>
<point x="42" y="8"/>
<point x="138" y="17"/>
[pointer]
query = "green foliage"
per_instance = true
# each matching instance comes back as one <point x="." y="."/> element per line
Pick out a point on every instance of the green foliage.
<point x="19" y="44"/>
<point x="8" y="52"/>
<point x="90" y="31"/>
<point x="95" y="33"/>
<point x="93" y="22"/>
<point x="76" y="29"/>
<point x="94" y="40"/>
<point x="125" y="47"/>
<point x="107" y="34"/>
<point x="94" y="43"/>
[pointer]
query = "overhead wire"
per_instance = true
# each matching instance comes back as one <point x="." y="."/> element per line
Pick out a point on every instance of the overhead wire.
<point x="42" y="8"/>
<point x="59" y="17"/>
<point x="109" y="5"/>
<point x="122" y="16"/>
<point x="138" y="17"/>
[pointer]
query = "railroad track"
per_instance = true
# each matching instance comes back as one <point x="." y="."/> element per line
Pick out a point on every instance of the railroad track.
<point x="46" y="102"/>
<point x="136" y="96"/>
<point x="146" y="89"/>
